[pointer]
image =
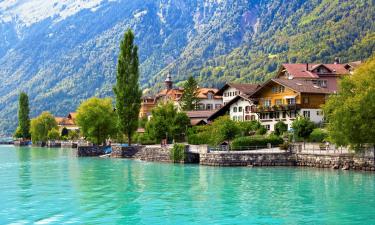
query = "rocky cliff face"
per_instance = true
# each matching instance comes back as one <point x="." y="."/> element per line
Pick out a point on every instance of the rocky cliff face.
<point x="61" y="53"/>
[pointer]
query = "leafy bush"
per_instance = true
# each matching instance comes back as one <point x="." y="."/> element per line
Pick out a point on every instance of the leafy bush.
<point x="280" y="128"/>
<point x="247" y="127"/>
<point x="144" y="139"/>
<point x="199" y="139"/>
<point x="177" y="153"/>
<point x="261" y="130"/>
<point x="256" y="141"/>
<point x="318" y="135"/>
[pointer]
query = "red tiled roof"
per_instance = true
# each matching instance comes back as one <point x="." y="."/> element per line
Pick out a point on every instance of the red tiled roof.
<point x="301" y="70"/>
<point x="202" y="93"/>
<point x="62" y="121"/>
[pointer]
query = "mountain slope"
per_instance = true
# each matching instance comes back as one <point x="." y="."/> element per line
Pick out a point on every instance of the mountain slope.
<point x="62" y="53"/>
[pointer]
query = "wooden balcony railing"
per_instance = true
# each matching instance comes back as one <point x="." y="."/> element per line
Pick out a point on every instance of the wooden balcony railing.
<point x="276" y="108"/>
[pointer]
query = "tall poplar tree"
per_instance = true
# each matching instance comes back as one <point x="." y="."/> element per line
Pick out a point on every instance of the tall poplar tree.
<point x="127" y="91"/>
<point x="189" y="98"/>
<point x="23" y="129"/>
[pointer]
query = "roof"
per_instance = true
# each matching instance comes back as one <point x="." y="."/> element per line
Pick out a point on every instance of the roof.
<point x="173" y="94"/>
<point x="199" y="114"/>
<point x="72" y="115"/>
<point x="301" y="86"/>
<point x="223" y="110"/>
<point x="301" y="70"/>
<point x="203" y="92"/>
<point x="244" y="88"/>
<point x="62" y="121"/>
<point x="195" y="122"/>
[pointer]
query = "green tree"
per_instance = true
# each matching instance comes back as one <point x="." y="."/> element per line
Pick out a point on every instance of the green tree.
<point x="41" y="125"/>
<point x="248" y="127"/>
<point x="127" y="91"/>
<point x="180" y="126"/>
<point x="97" y="120"/>
<point x="53" y="134"/>
<point x="189" y="99"/>
<point x="351" y="112"/>
<point x="302" y="127"/>
<point x="161" y="123"/>
<point x="223" y="129"/>
<point x="73" y="135"/>
<point x="23" y="116"/>
<point x="280" y="128"/>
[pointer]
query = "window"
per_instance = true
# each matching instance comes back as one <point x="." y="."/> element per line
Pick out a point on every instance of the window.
<point x="267" y="102"/>
<point x="278" y="102"/>
<point x="247" y="109"/>
<point x="319" y="113"/>
<point x="201" y="106"/>
<point x="278" y="89"/>
<point x="247" y="117"/>
<point x="322" y="83"/>
<point x="284" y="115"/>
<point x="306" y="100"/>
<point x="209" y="95"/>
<point x="235" y="109"/>
<point x="277" y="115"/>
<point x="217" y="106"/>
<point x="306" y="114"/>
<point x="252" y="117"/>
<point x="240" y="109"/>
<point x="268" y="127"/>
<point x="209" y="107"/>
<point x="291" y="101"/>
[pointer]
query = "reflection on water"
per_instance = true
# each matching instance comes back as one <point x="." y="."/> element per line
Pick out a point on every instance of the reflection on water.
<point x="39" y="185"/>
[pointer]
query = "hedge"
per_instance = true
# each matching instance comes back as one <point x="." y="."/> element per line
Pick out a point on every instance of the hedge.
<point x="199" y="139"/>
<point x="256" y="141"/>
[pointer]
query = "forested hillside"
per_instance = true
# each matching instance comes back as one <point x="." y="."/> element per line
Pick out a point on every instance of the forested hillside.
<point x="62" y="53"/>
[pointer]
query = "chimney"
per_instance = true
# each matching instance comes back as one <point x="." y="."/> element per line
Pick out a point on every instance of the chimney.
<point x="307" y="66"/>
<point x="337" y="60"/>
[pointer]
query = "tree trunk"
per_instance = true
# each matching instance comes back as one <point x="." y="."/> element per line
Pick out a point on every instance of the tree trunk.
<point x="129" y="139"/>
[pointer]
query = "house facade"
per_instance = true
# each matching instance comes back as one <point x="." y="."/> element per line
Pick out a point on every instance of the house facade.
<point x="67" y="123"/>
<point x="285" y="100"/>
<point x="229" y="91"/>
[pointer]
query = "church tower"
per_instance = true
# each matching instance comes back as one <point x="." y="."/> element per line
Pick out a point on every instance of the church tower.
<point x="168" y="82"/>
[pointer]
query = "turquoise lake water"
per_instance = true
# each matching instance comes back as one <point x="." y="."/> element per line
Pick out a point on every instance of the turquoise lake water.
<point x="52" y="186"/>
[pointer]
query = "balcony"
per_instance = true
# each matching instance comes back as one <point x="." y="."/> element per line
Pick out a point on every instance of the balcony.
<point x="275" y="108"/>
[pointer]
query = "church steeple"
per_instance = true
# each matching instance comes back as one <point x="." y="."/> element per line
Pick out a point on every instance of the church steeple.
<point x="168" y="82"/>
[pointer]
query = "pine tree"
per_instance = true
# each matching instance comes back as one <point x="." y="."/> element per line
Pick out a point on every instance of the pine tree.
<point x="189" y="98"/>
<point x="127" y="91"/>
<point x="23" y="116"/>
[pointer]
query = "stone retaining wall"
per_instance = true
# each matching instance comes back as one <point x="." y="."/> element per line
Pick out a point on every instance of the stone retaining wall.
<point x="344" y="161"/>
<point x="247" y="159"/>
<point x="150" y="153"/>
<point x="89" y="151"/>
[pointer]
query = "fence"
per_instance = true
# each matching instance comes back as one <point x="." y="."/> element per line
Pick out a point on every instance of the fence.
<point x="319" y="149"/>
<point x="244" y="148"/>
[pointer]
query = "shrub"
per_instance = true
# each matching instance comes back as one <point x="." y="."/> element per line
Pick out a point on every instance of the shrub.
<point x="256" y="141"/>
<point x="199" y="139"/>
<point x="144" y="139"/>
<point x="284" y="146"/>
<point x="261" y="130"/>
<point x="280" y="128"/>
<point x="318" y="135"/>
<point x="177" y="153"/>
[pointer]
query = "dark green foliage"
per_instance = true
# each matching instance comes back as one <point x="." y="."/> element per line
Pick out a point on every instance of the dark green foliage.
<point x="177" y="153"/>
<point x="189" y="98"/>
<point x="127" y="91"/>
<point x="302" y="127"/>
<point x="280" y="128"/>
<point x="18" y="133"/>
<point x="160" y="125"/>
<point x="249" y="127"/>
<point x="318" y="135"/>
<point x="64" y="132"/>
<point x="253" y="141"/>
<point x="202" y="138"/>
<point x="23" y="116"/>
<point x="144" y="139"/>
<point x="180" y="126"/>
<point x="261" y="130"/>
<point x="73" y="135"/>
